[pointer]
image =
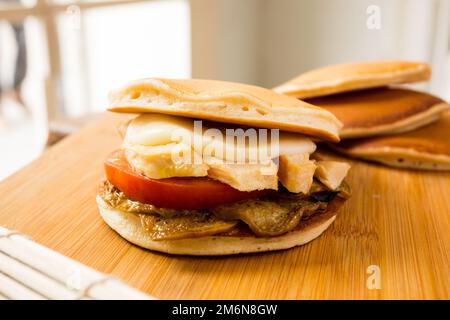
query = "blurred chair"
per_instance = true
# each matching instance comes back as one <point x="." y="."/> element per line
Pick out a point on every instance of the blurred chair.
<point x="20" y="68"/>
<point x="47" y="12"/>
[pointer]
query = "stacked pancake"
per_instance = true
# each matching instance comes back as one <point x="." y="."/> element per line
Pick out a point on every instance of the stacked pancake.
<point x="382" y="122"/>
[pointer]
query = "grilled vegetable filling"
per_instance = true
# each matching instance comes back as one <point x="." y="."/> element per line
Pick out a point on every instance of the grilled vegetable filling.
<point x="267" y="216"/>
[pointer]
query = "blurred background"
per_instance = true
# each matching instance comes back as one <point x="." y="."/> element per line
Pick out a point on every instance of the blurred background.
<point x="59" y="58"/>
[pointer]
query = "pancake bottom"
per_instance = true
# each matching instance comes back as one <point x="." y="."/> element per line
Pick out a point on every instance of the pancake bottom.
<point x="129" y="226"/>
<point x="427" y="148"/>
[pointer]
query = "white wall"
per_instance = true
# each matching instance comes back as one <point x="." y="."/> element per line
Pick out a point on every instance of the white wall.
<point x="225" y="39"/>
<point x="269" y="41"/>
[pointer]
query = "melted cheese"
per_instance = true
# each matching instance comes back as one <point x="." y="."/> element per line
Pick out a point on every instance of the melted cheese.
<point x="155" y="129"/>
<point x="331" y="173"/>
<point x="296" y="172"/>
<point x="151" y="139"/>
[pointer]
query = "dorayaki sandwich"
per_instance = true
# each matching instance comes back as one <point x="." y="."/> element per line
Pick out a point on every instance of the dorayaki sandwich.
<point x="217" y="168"/>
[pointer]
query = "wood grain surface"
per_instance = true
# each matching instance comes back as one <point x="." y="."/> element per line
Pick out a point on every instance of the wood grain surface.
<point x="397" y="220"/>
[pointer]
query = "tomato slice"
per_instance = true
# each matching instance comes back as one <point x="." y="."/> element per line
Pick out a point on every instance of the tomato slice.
<point x="185" y="193"/>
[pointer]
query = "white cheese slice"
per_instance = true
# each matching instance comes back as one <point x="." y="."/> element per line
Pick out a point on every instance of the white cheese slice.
<point x="155" y="129"/>
<point x="331" y="173"/>
<point x="159" y="129"/>
<point x="248" y="177"/>
<point x="151" y="138"/>
<point x="296" y="172"/>
<point x="157" y="162"/>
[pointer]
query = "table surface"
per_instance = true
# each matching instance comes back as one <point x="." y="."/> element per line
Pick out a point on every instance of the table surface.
<point x="396" y="220"/>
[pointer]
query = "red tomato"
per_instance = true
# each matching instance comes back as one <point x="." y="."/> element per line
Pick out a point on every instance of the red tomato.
<point x="175" y="193"/>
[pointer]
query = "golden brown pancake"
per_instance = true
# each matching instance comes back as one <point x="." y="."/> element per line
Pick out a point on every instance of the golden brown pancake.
<point x="427" y="148"/>
<point x="382" y="111"/>
<point x="353" y="76"/>
<point x="225" y="102"/>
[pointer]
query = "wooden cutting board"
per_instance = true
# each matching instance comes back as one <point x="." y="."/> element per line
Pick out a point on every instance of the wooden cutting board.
<point x="396" y="227"/>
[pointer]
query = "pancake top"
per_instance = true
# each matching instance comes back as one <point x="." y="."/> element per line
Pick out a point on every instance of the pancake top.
<point x="377" y="107"/>
<point x="226" y="102"/>
<point x="433" y="139"/>
<point x="354" y="76"/>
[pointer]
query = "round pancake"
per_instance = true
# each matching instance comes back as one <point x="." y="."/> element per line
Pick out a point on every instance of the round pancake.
<point x="225" y="102"/>
<point x="353" y="76"/>
<point x="129" y="226"/>
<point x="382" y="111"/>
<point x="427" y="148"/>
